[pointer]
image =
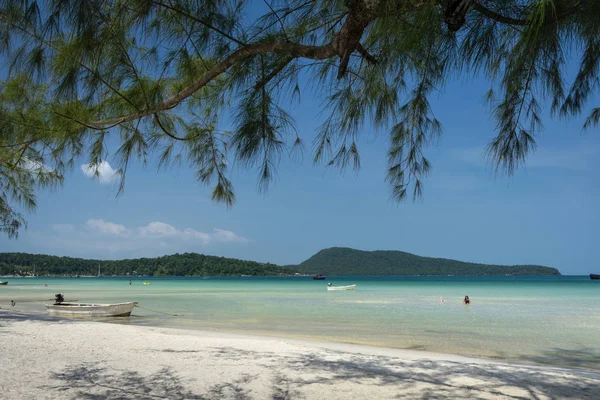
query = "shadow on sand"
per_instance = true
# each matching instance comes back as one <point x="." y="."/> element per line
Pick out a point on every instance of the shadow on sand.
<point x="585" y="357"/>
<point x="12" y="315"/>
<point x="296" y="377"/>
<point x="89" y="382"/>
<point x="321" y="374"/>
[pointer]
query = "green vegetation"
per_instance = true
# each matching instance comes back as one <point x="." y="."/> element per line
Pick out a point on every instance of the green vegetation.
<point x="346" y="261"/>
<point x="187" y="264"/>
<point x="206" y="83"/>
<point x="333" y="261"/>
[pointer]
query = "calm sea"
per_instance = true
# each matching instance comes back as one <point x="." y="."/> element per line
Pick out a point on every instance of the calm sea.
<point x="552" y="320"/>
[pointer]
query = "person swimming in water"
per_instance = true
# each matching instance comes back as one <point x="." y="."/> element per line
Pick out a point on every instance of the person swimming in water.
<point x="467" y="300"/>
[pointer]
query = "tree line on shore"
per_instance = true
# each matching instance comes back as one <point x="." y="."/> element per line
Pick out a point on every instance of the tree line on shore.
<point x="334" y="261"/>
<point x="186" y="264"/>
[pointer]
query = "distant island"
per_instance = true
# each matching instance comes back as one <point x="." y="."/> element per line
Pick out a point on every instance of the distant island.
<point x="347" y="261"/>
<point x="333" y="261"/>
<point x="186" y="264"/>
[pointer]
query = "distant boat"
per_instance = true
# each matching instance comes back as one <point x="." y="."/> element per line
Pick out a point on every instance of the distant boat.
<point x="92" y="310"/>
<point x="348" y="287"/>
<point x="3" y="283"/>
<point x="319" y="277"/>
<point x="594" y="276"/>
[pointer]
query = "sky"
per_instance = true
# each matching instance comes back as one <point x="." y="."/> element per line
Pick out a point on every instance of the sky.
<point x="545" y="214"/>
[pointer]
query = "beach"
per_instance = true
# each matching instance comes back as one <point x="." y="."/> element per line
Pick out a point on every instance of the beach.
<point x="549" y="320"/>
<point x="51" y="358"/>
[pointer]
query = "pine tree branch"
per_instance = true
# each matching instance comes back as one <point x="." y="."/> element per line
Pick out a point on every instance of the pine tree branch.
<point x="498" y="17"/>
<point x="81" y="64"/>
<point x="194" y="18"/>
<point x="278" y="19"/>
<point x="363" y="52"/>
<point x="273" y="73"/>
<point x="293" y="49"/>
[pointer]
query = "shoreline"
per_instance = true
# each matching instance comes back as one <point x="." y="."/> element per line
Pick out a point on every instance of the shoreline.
<point x="51" y="358"/>
<point x="322" y="341"/>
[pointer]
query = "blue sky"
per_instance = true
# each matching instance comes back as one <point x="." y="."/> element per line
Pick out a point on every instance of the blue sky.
<point x="547" y="213"/>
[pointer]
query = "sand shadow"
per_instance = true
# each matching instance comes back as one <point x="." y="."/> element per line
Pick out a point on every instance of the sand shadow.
<point x="429" y="379"/>
<point x="95" y="383"/>
<point x="295" y="376"/>
<point x="584" y="357"/>
<point x="12" y="315"/>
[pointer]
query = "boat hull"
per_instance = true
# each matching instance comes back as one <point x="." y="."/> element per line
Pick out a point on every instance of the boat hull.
<point x="594" y="276"/>
<point x="92" y="310"/>
<point x="349" y="287"/>
<point x="4" y="283"/>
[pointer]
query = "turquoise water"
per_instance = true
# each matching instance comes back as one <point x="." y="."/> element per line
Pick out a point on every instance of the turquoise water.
<point x="543" y="319"/>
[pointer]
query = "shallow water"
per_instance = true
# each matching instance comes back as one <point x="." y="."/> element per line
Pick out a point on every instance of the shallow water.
<point x="552" y="320"/>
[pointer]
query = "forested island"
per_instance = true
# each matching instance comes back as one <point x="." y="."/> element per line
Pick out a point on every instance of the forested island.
<point x="186" y="264"/>
<point x="347" y="261"/>
<point x="331" y="262"/>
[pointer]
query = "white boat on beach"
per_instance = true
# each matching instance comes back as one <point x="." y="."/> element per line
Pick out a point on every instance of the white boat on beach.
<point x="348" y="287"/>
<point x="92" y="310"/>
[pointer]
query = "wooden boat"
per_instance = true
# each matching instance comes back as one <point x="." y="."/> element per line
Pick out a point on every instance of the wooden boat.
<point x="349" y="287"/>
<point x="319" y="277"/>
<point x="3" y="283"/>
<point x="594" y="276"/>
<point x="92" y="310"/>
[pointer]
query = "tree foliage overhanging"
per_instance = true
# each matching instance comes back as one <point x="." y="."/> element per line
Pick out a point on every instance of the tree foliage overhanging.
<point x="162" y="75"/>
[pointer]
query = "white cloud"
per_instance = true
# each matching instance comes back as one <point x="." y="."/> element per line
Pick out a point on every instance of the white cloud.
<point x="158" y="229"/>
<point x="106" y="228"/>
<point x="163" y="230"/>
<point x="102" y="172"/>
<point x="99" y="236"/>
<point x="226" y="236"/>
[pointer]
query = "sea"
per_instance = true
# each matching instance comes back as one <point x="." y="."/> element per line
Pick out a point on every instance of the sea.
<point x="551" y="320"/>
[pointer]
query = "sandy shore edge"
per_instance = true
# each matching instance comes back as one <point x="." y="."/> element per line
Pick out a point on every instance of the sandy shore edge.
<point x="48" y="358"/>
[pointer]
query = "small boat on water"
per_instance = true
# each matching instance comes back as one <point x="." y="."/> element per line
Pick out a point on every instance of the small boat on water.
<point x="319" y="277"/>
<point x="348" y="287"/>
<point x="594" y="276"/>
<point x="90" y="309"/>
<point x="3" y="282"/>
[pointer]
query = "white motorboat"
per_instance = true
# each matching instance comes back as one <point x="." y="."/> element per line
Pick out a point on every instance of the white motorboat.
<point x="92" y="310"/>
<point x="348" y="287"/>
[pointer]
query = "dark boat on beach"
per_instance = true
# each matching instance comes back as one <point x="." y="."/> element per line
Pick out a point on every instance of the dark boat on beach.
<point x="319" y="277"/>
<point x="4" y="283"/>
<point x="594" y="276"/>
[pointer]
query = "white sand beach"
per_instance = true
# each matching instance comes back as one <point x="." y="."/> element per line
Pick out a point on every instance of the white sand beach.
<point x="47" y="358"/>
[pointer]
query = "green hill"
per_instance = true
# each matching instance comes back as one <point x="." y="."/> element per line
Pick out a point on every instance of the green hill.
<point x="346" y="261"/>
<point x="333" y="261"/>
<point x="187" y="264"/>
